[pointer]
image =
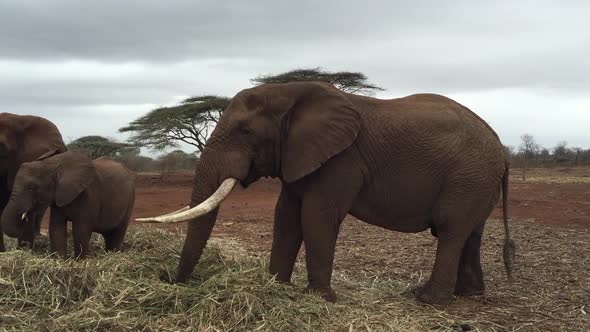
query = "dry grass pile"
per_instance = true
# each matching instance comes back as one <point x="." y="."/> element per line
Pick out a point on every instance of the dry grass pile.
<point x="232" y="291"/>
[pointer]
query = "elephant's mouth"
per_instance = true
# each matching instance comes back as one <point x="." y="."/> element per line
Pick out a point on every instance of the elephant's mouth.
<point x="253" y="176"/>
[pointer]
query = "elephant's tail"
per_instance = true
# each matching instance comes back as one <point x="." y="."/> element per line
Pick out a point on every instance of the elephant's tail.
<point x="509" y="245"/>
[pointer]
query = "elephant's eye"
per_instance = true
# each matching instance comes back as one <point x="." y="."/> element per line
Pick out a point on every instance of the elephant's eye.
<point x="31" y="187"/>
<point x="245" y="131"/>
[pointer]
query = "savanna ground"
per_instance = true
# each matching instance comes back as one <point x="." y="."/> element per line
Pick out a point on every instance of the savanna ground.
<point x="376" y="271"/>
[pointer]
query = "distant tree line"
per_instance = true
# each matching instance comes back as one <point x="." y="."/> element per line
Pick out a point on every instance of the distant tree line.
<point x="97" y="146"/>
<point x="531" y="154"/>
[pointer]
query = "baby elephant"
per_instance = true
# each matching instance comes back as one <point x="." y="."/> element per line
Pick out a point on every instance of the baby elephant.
<point x="95" y="195"/>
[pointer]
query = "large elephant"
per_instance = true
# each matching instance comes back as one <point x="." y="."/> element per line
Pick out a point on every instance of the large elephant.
<point x="24" y="138"/>
<point x="96" y="196"/>
<point x="408" y="164"/>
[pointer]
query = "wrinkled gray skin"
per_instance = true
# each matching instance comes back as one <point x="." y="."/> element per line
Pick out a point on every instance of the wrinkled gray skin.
<point x="96" y="196"/>
<point x="407" y="164"/>
<point x="24" y="138"/>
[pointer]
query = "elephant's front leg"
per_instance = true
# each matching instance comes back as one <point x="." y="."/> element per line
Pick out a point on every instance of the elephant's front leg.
<point x="287" y="236"/>
<point x="2" y="247"/>
<point x="58" y="233"/>
<point x="82" y="232"/>
<point x="27" y="238"/>
<point x="321" y="225"/>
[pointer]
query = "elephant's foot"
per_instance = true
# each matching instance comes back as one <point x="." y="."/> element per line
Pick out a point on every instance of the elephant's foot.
<point x="23" y="244"/>
<point x="327" y="294"/>
<point x="462" y="291"/>
<point x="431" y="294"/>
<point x="470" y="282"/>
<point x="284" y="282"/>
<point x="469" y="288"/>
<point x="281" y="277"/>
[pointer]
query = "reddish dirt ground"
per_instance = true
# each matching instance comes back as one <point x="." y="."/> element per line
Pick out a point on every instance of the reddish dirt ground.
<point x="555" y="204"/>
<point x="559" y="204"/>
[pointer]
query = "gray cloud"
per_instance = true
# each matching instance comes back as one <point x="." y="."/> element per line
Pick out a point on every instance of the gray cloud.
<point x="110" y="61"/>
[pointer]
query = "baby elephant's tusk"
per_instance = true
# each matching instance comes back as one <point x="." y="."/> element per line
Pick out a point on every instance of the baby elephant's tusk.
<point x="24" y="216"/>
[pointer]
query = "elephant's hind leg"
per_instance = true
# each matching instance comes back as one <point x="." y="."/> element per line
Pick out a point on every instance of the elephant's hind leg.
<point x="439" y="289"/>
<point x="459" y="217"/>
<point x="470" y="275"/>
<point x="113" y="240"/>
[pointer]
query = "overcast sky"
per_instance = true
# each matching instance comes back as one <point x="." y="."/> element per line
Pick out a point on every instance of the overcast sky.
<point x="93" y="66"/>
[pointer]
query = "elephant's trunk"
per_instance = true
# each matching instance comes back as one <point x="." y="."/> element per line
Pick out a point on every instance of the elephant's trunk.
<point x="211" y="170"/>
<point x="12" y="220"/>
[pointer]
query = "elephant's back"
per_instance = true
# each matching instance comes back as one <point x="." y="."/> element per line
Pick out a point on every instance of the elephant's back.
<point x="117" y="188"/>
<point x="33" y="124"/>
<point x="113" y="172"/>
<point x="428" y="134"/>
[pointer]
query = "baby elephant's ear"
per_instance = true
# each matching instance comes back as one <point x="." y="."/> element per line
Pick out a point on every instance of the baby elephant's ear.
<point x="75" y="173"/>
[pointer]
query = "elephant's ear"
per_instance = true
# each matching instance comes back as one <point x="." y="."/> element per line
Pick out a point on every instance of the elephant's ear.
<point x="48" y="154"/>
<point x="321" y="123"/>
<point x="75" y="173"/>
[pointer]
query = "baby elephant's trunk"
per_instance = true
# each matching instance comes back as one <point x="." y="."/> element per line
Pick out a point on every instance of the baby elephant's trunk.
<point x="12" y="220"/>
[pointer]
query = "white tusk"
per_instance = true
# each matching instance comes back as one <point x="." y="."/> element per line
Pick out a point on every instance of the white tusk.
<point x="23" y="217"/>
<point x="178" y="211"/>
<point x="207" y="206"/>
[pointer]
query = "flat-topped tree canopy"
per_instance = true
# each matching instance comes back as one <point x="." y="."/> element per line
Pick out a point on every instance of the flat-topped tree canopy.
<point x="190" y="122"/>
<point x="352" y="82"/>
<point x="98" y="146"/>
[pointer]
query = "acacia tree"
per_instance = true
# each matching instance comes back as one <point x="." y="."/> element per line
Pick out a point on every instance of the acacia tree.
<point x="98" y="146"/>
<point x="352" y="82"/>
<point x="195" y="118"/>
<point x="190" y="122"/>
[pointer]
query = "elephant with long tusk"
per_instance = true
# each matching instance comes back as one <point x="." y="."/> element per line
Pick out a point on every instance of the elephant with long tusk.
<point x="407" y="164"/>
